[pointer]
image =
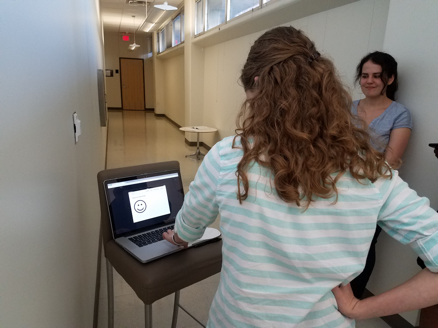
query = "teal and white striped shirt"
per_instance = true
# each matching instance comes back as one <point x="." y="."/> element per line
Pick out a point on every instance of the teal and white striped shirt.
<point x="281" y="262"/>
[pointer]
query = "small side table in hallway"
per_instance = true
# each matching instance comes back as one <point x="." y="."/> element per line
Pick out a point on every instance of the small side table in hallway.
<point x="197" y="130"/>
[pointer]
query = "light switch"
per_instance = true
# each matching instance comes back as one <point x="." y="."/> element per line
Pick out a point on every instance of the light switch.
<point x="76" y="126"/>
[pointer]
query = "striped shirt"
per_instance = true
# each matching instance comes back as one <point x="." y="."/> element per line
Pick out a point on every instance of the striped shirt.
<point x="281" y="262"/>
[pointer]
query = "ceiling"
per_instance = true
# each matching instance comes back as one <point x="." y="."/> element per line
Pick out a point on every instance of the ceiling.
<point x="117" y="15"/>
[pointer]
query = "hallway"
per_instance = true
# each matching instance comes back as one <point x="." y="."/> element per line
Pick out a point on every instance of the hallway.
<point x="136" y="138"/>
<point x="48" y="185"/>
<point x="140" y="137"/>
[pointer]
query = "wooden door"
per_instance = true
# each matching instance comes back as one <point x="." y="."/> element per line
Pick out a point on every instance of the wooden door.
<point x="132" y="83"/>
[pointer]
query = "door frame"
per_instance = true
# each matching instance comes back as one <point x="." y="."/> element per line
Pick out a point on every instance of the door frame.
<point x="144" y="85"/>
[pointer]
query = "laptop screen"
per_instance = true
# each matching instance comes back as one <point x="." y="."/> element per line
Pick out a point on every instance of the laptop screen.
<point x="143" y="202"/>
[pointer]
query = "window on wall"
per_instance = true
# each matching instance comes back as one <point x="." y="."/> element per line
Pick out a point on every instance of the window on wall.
<point x="199" y="17"/>
<point x="176" y="31"/>
<point x="172" y="34"/>
<point x="182" y="27"/>
<point x="149" y="46"/>
<point x="162" y="40"/>
<point x="215" y="13"/>
<point x="168" y="30"/>
<point x="211" y="13"/>
<point x="239" y="7"/>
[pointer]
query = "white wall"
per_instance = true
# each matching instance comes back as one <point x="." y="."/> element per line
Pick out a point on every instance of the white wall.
<point x="173" y="71"/>
<point x="149" y="81"/>
<point x="116" y="48"/>
<point x="48" y="195"/>
<point x="344" y="34"/>
<point x="411" y="37"/>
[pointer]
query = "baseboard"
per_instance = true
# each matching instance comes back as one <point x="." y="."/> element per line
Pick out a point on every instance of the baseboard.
<point x="172" y="121"/>
<point x="396" y="320"/>
<point x="120" y="108"/>
<point x="190" y="143"/>
<point x="168" y="118"/>
<point x="201" y="144"/>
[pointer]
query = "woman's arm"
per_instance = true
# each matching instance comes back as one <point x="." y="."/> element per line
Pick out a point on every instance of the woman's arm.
<point x="407" y="218"/>
<point x="419" y="292"/>
<point x="200" y="207"/>
<point x="398" y="140"/>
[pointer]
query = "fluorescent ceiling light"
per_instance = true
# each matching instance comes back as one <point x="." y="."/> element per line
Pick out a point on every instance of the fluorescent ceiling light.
<point x="165" y="6"/>
<point x="147" y="29"/>
<point x="136" y="3"/>
<point x="147" y="26"/>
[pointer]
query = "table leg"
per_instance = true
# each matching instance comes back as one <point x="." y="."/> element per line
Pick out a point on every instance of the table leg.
<point x="197" y="153"/>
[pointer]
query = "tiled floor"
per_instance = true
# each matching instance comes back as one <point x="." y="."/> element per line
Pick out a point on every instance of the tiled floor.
<point x="137" y="138"/>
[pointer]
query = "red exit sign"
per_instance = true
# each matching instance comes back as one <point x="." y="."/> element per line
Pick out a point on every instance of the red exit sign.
<point x="125" y="37"/>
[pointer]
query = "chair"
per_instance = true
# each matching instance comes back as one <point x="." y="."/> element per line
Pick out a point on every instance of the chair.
<point x="157" y="279"/>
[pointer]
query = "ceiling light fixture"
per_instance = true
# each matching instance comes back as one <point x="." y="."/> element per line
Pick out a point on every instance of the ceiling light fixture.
<point x="136" y="3"/>
<point x="150" y="27"/>
<point x="155" y="22"/>
<point x="133" y="45"/>
<point x="165" y="6"/>
<point x="142" y="25"/>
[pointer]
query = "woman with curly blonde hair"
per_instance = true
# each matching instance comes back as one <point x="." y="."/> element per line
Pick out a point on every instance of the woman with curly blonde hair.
<point x="299" y="191"/>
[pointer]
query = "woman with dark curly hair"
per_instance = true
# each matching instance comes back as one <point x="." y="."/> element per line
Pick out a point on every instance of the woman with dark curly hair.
<point x="299" y="190"/>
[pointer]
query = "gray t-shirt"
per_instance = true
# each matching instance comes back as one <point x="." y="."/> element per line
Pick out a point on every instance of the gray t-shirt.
<point x="396" y="116"/>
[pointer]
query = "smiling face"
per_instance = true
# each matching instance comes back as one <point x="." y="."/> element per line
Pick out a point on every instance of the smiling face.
<point x="140" y="206"/>
<point x="371" y="80"/>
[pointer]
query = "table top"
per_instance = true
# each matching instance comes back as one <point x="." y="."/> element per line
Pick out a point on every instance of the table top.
<point x="198" y="129"/>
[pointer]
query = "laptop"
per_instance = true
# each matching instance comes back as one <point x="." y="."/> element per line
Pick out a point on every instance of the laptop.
<point x="144" y="206"/>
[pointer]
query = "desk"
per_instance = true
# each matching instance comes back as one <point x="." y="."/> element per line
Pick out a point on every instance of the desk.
<point x="197" y="130"/>
<point x="153" y="280"/>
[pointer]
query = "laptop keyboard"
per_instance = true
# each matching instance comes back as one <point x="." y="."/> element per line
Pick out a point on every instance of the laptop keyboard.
<point x="149" y="237"/>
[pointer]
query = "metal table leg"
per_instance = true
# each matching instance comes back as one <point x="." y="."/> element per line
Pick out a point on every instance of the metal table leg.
<point x="197" y="153"/>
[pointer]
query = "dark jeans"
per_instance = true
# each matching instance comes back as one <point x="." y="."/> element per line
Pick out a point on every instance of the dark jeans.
<point x="360" y="282"/>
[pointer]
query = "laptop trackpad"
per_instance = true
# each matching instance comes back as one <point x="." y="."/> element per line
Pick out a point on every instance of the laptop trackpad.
<point x="157" y="249"/>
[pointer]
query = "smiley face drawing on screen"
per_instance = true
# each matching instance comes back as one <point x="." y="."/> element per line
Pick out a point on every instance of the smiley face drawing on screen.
<point x="149" y="203"/>
<point x="140" y="206"/>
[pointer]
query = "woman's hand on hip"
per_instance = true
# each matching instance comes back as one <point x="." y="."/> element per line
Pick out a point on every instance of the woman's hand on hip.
<point x="347" y="303"/>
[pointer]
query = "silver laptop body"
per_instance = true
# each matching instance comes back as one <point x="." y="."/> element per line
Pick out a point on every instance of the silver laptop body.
<point x="141" y="208"/>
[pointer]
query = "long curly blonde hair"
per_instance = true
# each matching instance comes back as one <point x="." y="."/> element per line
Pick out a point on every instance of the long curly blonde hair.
<point x="299" y="123"/>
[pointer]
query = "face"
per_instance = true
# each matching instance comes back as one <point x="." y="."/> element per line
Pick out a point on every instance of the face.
<point x="140" y="206"/>
<point x="370" y="80"/>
